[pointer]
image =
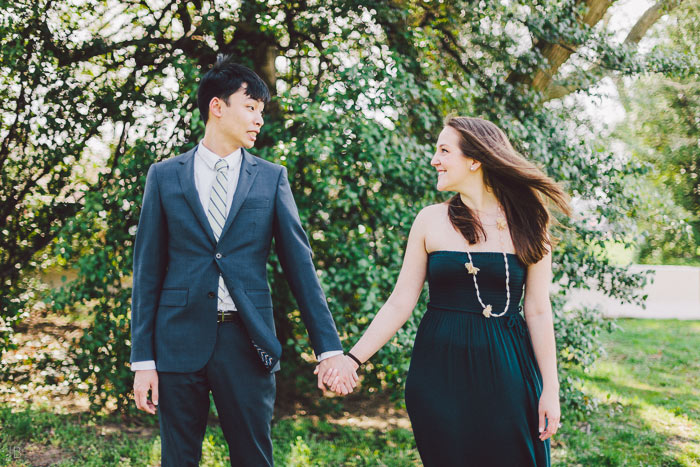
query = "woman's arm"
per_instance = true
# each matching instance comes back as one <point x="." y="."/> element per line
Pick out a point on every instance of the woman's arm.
<point x="538" y="315"/>
<point x="401" y="302"/>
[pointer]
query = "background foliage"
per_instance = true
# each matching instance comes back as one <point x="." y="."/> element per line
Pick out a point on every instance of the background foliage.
<point x="94" y="93"/>
<point x="667" y="140"/>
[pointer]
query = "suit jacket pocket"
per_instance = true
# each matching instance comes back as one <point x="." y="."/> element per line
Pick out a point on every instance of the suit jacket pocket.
<point x="173" y="297"/>
<point x="255" y="203"/>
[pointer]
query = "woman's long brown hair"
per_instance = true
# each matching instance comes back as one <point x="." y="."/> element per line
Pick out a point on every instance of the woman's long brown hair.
<point x="517" y="183"/>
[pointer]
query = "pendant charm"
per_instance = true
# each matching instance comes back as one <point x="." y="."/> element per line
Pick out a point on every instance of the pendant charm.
<point x="470" y="268"/>
<point x="501" y="223"/>
<point x="487" y="311"/>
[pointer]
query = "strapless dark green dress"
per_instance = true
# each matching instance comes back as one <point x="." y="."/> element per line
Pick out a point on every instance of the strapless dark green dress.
<point x="473" y="386"/>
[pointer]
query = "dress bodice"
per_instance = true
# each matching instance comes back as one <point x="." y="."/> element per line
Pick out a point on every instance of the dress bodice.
<point x="452" y="287"/>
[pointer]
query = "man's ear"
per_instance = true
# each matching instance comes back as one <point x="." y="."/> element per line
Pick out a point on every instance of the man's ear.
<point x="215" y="107"/>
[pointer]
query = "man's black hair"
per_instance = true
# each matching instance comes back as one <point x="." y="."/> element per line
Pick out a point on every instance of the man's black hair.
<point x="224" y="79"/>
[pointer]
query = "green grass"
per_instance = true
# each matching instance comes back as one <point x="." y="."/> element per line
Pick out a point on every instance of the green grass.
<point x="649" y="385"/>
<point x="649" y="415"/>
<point x="32" y="436"/>
<point x="298" y="442"/>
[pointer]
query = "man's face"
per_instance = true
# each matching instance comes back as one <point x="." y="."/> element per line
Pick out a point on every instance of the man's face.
<point x="240" y="121"/>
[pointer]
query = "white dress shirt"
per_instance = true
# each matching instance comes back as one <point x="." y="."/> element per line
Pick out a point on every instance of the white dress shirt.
<point x="204" y="178"/>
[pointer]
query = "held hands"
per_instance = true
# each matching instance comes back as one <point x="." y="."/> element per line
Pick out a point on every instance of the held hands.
<point x="549" y="413"/>
<point x="143" y="381"/>
<point x="339" y="374"/>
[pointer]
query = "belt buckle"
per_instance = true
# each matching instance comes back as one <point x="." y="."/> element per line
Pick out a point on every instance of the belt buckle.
<point x="221" y="316"/>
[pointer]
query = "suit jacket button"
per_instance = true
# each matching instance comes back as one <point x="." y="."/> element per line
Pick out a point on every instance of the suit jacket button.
<point x="210" y="294"/>
<point x="218" y="256"/>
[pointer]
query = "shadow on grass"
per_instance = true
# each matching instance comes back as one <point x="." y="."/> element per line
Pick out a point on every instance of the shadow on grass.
<point x="39" y="437"/>
<point x="618" y="434"/>
<point x="650" y="414"/>
<point x="672" y="398"/>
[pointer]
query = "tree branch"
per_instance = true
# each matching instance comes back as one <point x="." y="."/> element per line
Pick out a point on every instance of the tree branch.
<point x="100" y="45"/>
<point x="21" y="103"/>
<point x="636" y="34"/>
<point x="648" y="19"/>
<point x="457" y="55"/>
<point x="184" y="16"/>
<point x="557" y="54"/>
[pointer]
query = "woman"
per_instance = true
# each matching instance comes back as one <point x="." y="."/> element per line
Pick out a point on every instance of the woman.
<point x="482" y="388"/>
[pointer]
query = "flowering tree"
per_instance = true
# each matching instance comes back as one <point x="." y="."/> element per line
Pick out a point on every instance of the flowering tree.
<point x="360" y="94"/>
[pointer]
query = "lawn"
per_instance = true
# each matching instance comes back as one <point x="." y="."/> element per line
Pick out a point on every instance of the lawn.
<point x="649" y="387"/>
<point x="40" y="437"/>
<point x="649" y="415"/>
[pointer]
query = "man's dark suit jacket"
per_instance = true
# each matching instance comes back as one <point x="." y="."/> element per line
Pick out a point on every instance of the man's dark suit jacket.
<point x="177" y="263"/>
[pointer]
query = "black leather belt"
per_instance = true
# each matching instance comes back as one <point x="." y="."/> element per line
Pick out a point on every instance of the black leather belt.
<point x="227" y="317"/>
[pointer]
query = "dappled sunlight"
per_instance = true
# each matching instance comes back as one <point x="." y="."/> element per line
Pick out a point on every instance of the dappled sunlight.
<point x="653" y="391"/>
<point x="612" y="374"/>
<point x="648" y="400"/>
<point x="154" y="453"/>
<point x="214" y="451"/>
<point x="377" y="422"/>
<point x="39" y="454"/>
<point x="683" y="434"/>
<point x="40" y="371"/>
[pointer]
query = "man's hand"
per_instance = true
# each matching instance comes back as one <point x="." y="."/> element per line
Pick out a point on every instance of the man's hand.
<point x="143" y="381"/>
<point x="338" y="374"/>
<point x="335" y="383"/>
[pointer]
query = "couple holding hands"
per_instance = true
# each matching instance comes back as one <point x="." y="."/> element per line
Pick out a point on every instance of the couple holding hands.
<point x="482" y="387"/>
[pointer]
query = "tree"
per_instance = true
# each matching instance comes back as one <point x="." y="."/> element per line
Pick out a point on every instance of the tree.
<point x="668" y="140"/>
<point x="361" y="92"/>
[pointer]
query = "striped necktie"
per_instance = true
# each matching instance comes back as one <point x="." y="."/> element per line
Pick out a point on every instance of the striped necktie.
<point x="217" y="199"/>
<point x="217" y="211"/>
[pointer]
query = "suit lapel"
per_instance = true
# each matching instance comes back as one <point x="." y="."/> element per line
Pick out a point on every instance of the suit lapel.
<point x="185" y="172"/>
<point x="249" y="169"/>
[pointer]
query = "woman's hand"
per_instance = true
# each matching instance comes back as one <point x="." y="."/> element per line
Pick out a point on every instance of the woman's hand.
<point x="549" y="410"/>
<point x="332" y="379"/>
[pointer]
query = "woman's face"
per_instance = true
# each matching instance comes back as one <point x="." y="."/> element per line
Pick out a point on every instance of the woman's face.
<point x="452" y="166"/>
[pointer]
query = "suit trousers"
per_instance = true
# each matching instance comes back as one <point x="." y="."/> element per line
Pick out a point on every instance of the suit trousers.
<point x="244" y="395"/>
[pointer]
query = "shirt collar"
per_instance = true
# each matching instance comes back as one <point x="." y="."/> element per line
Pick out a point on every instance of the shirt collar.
<point x="210" y="158"/>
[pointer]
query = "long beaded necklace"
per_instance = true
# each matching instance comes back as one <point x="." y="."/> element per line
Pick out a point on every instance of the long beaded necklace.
<point x="501" y="224"/>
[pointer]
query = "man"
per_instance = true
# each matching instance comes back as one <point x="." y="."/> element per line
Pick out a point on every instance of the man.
<point x="201" y="308"/>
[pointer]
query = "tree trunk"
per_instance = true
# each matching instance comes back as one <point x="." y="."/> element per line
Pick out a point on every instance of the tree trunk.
<point x="557" y="54"/>
<point x="636" y="34"/>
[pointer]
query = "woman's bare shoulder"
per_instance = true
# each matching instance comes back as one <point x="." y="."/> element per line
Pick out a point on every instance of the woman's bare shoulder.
<point x="430" y="215"/>
<point x="433" y="210"/>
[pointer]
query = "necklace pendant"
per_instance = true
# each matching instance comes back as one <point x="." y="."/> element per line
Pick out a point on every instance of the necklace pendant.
<point x="470" y="268"/>
<point x="487" y="311"/>
<point x="501" y="223"/>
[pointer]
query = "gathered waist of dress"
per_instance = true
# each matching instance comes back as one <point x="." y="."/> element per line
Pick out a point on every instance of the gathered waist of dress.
<point x="477" y="310"/>
<point x="512" y="319"/>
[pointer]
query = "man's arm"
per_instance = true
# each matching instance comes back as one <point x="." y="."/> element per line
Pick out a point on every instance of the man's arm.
<point x="150" y="255"/>
<point x="295" y="256"/>
<point x="294" y="253"/>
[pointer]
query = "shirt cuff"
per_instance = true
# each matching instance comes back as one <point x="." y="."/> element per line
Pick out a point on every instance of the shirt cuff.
<point x="145" y="365"/>
<point x="329" y="354"/>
